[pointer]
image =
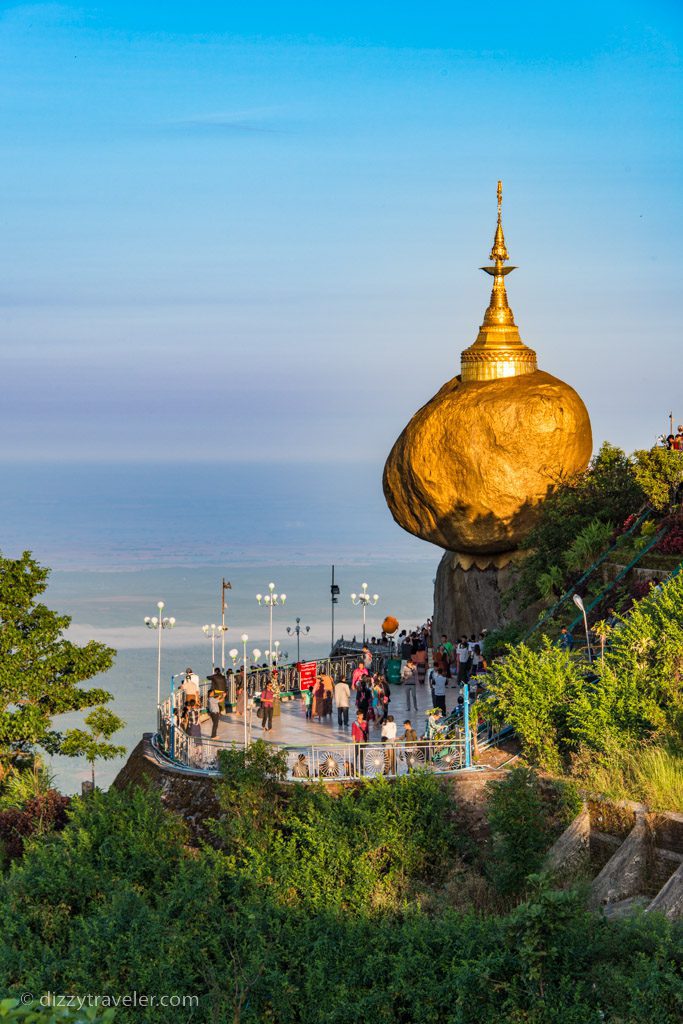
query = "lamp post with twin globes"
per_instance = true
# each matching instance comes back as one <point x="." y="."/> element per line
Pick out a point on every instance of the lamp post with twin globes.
<point x="159" y="622"/>
<point x="270" y="600"/>
<point x="212" y="632"/>
<point x="364" y="600"/>
<point x="297" y="631"/>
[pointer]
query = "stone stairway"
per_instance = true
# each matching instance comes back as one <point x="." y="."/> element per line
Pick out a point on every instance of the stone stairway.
<point x="635" y="857"/>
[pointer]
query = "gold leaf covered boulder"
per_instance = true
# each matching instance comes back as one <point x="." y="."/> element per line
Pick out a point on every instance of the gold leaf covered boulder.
<point x="473" y="465"/>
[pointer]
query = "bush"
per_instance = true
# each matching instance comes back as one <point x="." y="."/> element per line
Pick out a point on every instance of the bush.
<point x="498" y="641"/>
<point x="531" y="691"/>
<point x="40" y="814"/>
<point x="520" y="830"/>
<point x="117" y="902"/>
<point x="363" y="847"/>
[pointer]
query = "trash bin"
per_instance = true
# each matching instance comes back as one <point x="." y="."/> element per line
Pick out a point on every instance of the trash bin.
<point x="393" y="671"/>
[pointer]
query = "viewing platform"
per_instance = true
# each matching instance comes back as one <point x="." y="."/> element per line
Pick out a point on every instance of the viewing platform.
<point x="321" y="749"/>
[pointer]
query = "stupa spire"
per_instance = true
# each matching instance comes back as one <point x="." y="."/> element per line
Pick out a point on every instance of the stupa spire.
<point x="498" y="351"/>
<point x="499" y="251"/>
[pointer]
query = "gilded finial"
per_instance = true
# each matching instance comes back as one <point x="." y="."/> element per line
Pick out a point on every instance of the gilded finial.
<point x="498" y="351"/>
<point x="499" y="251"/>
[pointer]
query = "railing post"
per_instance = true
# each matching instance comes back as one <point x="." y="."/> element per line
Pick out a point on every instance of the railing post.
<point x="172" y="718"/>
<point x="466" y="714"/>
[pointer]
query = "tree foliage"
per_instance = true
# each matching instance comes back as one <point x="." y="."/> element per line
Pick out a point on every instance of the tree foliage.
<point x="40" y="670"/>
<point x="605" y="494"/>
<point x="659" y="474"/>
<point x="118" y="902"/>
<point x="93" y="743"/>
<point x="556" y="705"/>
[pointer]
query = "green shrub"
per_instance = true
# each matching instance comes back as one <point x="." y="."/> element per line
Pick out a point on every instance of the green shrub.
<point x="520" y="830"/>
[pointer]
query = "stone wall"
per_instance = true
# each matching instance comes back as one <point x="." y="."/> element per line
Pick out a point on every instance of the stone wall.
<point x="470" y="600"/>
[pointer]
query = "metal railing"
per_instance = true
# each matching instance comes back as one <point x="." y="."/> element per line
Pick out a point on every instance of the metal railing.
<point x="288" y="677"/>
<point x="330" y="762"/>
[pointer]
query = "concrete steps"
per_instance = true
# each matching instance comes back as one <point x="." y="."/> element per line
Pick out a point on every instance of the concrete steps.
<point x="634" y="856"/>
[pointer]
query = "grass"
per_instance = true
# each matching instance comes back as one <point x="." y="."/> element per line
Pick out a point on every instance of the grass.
<point x="652" y="775"/>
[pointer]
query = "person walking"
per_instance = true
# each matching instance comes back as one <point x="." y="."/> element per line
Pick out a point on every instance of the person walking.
<point x="214" y="709"/>
<point x="359" y="673"/>
<point x="318" y="698"/>
<point x="409" y="680"/>
<point x="359" y="735"/>
<point x="463" y="653"/>
<point x="308" y="701"/>
<point x="439" y="683"/>
<point x="342" y="696"/>
<point x="328" y="693"/>
<point x="363" y="698"/>
<point x="389" y="737"/>
<point x="384" y="697"/>
<point x="267" y="701"/>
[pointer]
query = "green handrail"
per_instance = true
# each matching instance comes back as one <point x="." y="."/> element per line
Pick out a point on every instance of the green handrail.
<point x="589" y="607"/>
<point x="589" y="572"/>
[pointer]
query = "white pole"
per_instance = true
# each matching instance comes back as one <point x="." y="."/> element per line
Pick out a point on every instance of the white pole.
<point x="588" y="641"/>
<point x="244" y="684"/>
<point x="160" y="606"/>
<point x="270" y="630"/>
<point x="213" y="648"/>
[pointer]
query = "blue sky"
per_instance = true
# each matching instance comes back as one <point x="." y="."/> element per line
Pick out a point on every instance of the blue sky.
<point x="253" y="231"/>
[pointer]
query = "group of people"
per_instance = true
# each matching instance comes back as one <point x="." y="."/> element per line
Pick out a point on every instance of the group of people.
<point x="370" y="692"/>
<point x="674" y="442"/>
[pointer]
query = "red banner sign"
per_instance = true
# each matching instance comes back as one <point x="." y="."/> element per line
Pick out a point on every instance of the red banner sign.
<point x="307" y="675"/>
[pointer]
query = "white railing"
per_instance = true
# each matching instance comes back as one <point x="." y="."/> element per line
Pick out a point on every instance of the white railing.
<point x="331" y="762"/>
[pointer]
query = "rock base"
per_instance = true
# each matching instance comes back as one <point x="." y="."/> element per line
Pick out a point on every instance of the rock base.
<point x="468" y="600"/>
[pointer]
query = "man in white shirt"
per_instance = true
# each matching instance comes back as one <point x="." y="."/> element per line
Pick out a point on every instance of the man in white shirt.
<point x="389" y="738"/>
<point x="463" y="652"/>
<point x="190" y="686"/>
<point x="342" y="694"/>
<point x="439" y="690"/>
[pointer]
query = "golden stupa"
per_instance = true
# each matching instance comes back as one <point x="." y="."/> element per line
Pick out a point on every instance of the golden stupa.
<point x="472" y="467"/>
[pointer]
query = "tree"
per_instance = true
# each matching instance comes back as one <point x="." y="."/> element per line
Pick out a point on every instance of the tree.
<point x="40" y="671"/>
<point x="93" y="744"/>
<point x="659" y="473"/>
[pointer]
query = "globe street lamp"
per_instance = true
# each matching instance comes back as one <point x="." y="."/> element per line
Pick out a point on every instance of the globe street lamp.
<point x="212" y="632"/>
<point x="273" y="657"/>
<point x="364" y="600"/>
<point x="270" y="600"/>
<point x="297" y="631"/>
<point x="159" y="622"/>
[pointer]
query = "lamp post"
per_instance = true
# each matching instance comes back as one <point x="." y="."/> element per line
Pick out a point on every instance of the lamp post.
<point x="273" y="657"/>
<point x="212" y="632"/>
<point x="226" y="585"/>
<point x="364" y="600"/>
<point x="297" y="631"/>
<point x="580" y="605"/>
<point x="159" y="622"/>
<point x="270" y="600"/>
<point x="244" y="639"/>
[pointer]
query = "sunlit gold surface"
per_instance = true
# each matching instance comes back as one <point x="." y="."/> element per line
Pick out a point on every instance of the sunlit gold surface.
<point x="472" y="467"/>
<point x="498" y="351"/>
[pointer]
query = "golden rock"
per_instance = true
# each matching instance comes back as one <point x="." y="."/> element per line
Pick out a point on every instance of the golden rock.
<point x="472" y="467"/>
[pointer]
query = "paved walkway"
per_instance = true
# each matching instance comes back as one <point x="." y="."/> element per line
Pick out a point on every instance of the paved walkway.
<point x="291" y="727"/>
